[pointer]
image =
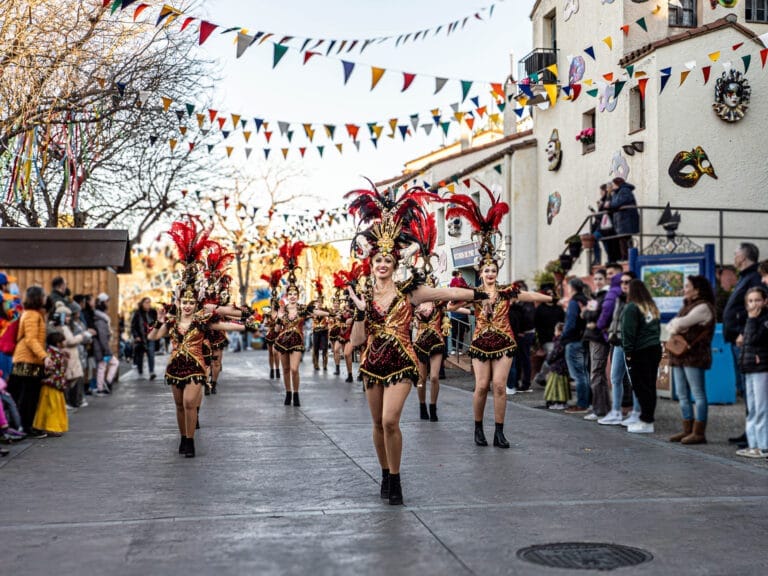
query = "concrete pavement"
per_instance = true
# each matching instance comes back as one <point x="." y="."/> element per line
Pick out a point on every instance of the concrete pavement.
<point x="283" y="490"/>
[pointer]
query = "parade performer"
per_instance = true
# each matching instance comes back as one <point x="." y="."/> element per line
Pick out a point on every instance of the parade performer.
<point x="291" y="317"/>
<point x="216" y="293"/>
<point x="355" y="276"/>
<point x="433" y="324"/>
<point x="319" y="329"/>
<point x="186" y="321"/>
<point x="340" y="322"/>
<point x="270" y="322"/>
<point x="493" y="343"/>
<point x="383" y="319"/>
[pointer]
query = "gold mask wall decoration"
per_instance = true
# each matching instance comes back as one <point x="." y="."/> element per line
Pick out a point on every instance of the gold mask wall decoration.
<point x="688" y="167"/>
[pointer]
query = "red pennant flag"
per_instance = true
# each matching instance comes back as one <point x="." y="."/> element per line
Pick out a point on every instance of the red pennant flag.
<point x="191" y="146"/>
<point x="139" y="9"/>
<point x="466" y="182"/>
<point x="575" y="90"/>
<point x="308" y="55"/>
<point x="187" y="22"/>
<point x="352" y="130"/>
<point x="737" y="46"/>
<point x="302" y="151"/>
<point x="268" y="135"/>
<point x="470" y="122"/>
<point x="407" y="80"/>
<point x="763" y="55"/>
<point x="498" y="89"/>
<point x="608" y="77"/>
<point x="481" y="111"/>
<point x="206" y="28"/>
<point x="221" y="122"/>
<point x="706" y="70"/>
<point x="212" y="114"/>
<point x="641" y="86"/>
<point x="625" y="29"/>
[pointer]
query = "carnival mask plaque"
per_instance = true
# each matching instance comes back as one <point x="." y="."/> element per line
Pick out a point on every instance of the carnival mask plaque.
<point x="732" y="95"/>
<point x="570" y="7"/>
<point x="619" y="166"/>
<point x="576" y="70"/>
<point x="688" y="167"/>
<point x="553" y="151"/>
<point x="553" y="206"/>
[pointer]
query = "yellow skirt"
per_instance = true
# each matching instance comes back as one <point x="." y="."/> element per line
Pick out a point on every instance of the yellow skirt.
<point x="51" y="414"/>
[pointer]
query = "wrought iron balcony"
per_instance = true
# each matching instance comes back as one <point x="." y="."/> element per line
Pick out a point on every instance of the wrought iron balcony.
<point x="534" y="66"/>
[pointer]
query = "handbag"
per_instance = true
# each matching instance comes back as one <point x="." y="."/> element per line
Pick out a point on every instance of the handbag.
<point x="677" y="345"/>
<point x="606" y="223"/>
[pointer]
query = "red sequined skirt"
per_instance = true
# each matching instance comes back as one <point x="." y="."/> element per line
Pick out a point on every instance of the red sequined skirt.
<point x="387" y="361"/>
<point x="183" y="370"/>
<point x="428" y="344"/>
<point x="334" y="333"/>
<point x="492" y="345"/>
<point x="270" y="336"/>
<point x="289" y="341"/>
<point x="217" y="339"/>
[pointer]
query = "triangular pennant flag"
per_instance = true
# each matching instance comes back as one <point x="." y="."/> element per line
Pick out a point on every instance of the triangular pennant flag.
<point x="705" y="70"/>
<point x="445" y="126"/>
<point x="608" y="42"/>
<point x="590" y="51"/>
<point x="210" y="148"/>
<point x="283" y="126"/>
<point x="415" y="121"/>
<point x="187" y="21"/>
<point x="320" y="150"/>
<point x="348" y="68"/>
<point x="497" y="168"/>
<point x="715" y="56"/>
<point x="266" y="153"/>
<point x="553" y="69"/>
<point x="459" y="116"/>
<point x="618" y="86"/>
<point x="191" y="146"/>
<point x="608" y="77"/>
<point x="206" y="28"/>
<point x="190" y="109"/>
<point x="481" y="111"/>
<point x="641" y="86"/>
<point x="166" y="103"/>
<point x="630" y="70"/>
<point x="308" y="55"/>
<point x="248" y="152"/>
<point x="641" y="22"/>
<point x="339" y="147"/>
<point x="407" y="80"/>
<point x="376" y="74"/>
<point x="664" y="80"/>
<point x="466" y="85"/>
<point x="684" y="76"/>
<point x="377" y="130"/>
<point x="625" y="29"/>
<point x="229" y="150"/>
<point x="737" y="46"/>
<point x="139" y="9"/>
<point x="285" y="155"/>
<point x="371" y="126"/>
<point x="526" y="89"/>
<point x="221" y="122"/>
<point x="466" y="182"/>
<point x="497" y="89"/>
<point x="289" y="135"/>
<point x="309" y="131"/>
<point x="225" y="134"/>
<point x="172" y="143"/>
<point x="747" y="58"/>
<point x="212" y="114"/>
<point x="576" y="92"/>
<point x="167" y="14"/>
<point x="267" y="135"/>
<point x="470" y="122"/>
<point x="278" y="53"/>
<point x="763" y="56"/>
<point x="427" y="128"/>
<point x="330" y="130"/>
<point x="152" y="140"/>
<point x="551" y="93"/>
<point x="403" y="130"/>
<point x="183" y="130"/>
<point x="302" y="151"/>
<point x="243" y="123"/>
<point x="593" y="92"/>
<point x="247" y="135"/>
<point x="235" y="120"/>
<point x="475" y="100"/>
<point x="243" y="41"/>
<point x="439" y="83"/>
<point x="375" y="142"/>
<point x="352" y="130"/>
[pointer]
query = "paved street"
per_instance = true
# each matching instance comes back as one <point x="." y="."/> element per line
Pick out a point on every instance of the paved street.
<point x="283" y="490"/>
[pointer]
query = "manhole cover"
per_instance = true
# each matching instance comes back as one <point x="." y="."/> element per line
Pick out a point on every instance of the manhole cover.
<point x="584" y="555"/>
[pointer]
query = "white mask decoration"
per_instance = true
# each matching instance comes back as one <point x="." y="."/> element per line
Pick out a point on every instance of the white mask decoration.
<point x="608" y="98"/>
<point x="570" y="7"/>
<point x="619" y="166"/>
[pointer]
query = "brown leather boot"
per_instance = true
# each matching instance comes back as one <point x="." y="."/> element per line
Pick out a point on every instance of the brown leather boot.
<point x="697" y="436"/>
<point x="687" y="429"/>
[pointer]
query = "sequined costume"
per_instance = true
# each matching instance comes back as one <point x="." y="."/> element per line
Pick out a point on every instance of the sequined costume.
<point x="389" y="356"/>
<point x="187" y="362"/>
<point x="291" y="336"/>
<point x="429" y="334"/>
<point x="270" y="323"/>
<point x="493" y="337"/>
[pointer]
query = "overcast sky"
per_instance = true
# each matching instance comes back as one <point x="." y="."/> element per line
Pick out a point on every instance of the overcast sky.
<point x="316" y="93"/>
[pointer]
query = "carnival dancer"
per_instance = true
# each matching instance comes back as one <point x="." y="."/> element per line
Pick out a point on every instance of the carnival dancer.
<point x="270" y="322"/>
<point x="290" y="318"/>
<point x="383" y="319"/>
<point x="355" y="276"/>
<point x="493" y="343"/>
<point x="320" y="326"/>
<point x="216" y="293"/>
<point x="186" y="322"/>
<point x="340" y="322"/>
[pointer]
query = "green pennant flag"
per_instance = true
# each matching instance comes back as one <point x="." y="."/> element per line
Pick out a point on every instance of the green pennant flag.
<point x="593" y="92"/>
<point x="115" y="5"/>
<point x="320" y="150"/>
<point x="465" y="87"/>
<point x="190" y="109"/>
<point x="501" y="106"/>
<point x="279" y="52"/>
<point x="642" y="24"/>
<point x="617" y="88"/>
<point x="497" y="168"/>
<point x="630" y="70"/>
<point x="445" y="126"/>
<point x="747" y="58"/>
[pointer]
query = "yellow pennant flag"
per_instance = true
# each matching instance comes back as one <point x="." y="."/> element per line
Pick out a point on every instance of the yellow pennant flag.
<point x="172" y="142"/>
<point x="609" y="42"/>
<point x="235" y="120"/>
<point x="247" y="135"/>
<point x="392" y="124"/>
<point x="640" y="74"/>
<point x="285" y="152"/>
<point x="309" y="131"/>
<point x="552" y="90"/>
<point x="166" y="103"/>
<point x="200" y="119"/>
<point x="229" y="151"/>
<point x="339" y="147"/>
<point x="588" y="82"/>
<point x="459" y="116"/>
<point x="683" y="76"/>
<point x="376" y="74"/>
<point x="715" y="56"/>
<point x="495" y="118"/>
<point x="553" y="69"/>
<point x="377" y="130"/>
<point x="451" y="188"/>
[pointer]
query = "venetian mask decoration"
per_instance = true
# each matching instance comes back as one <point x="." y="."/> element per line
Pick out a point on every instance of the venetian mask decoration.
<point x="688" y="167"/>
<point x="553" y="151"/>
<point x="732" y="95"/>
<point x="608" y="100"/>
<point x="619" y="166"/>
<point x="576" y="70"/>
<point x="570" y="7"/>
<point x="723" y="3"/>
<point x="553" y="206"/>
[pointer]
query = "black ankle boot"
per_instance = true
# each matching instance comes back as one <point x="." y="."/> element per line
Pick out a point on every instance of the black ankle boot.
<point x="480" y="435"/>
<point x="423" y="412"/>
<point x="271" y="373"/>
<point x="190" y="448"/>
<point x="433" y="412"/>
<point x="296" y="399"/>
<point x="207" y="390"/>
<point x="183" y="445"/>
<point x="395" y="490"/>
<point x="349" y="378"/>
<point x="338" y="370"/>
<point x="359" y="376"/>
<point x="197" y="420"/>
<point x="277" y="373"/>
<point x="213" y="387"/>
<point x="288" y="398"/>
<point x="498" y="437"/>
<point x="385" y="483"/>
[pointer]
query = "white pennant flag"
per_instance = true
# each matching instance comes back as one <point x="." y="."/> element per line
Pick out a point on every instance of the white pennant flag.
<point x="690" y="65"/>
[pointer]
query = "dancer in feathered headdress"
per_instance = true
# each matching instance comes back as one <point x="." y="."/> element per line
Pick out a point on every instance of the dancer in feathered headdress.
<point x="270" y="321"/>
<point x="186" y="322"/>
<point x="291" y="317"/>
<point x="341" y="322"/>
<point x="384" y="315"/>
<point x="493" y="342"/>
<point x="218" y="281"/>
<point x="320" y="326"/>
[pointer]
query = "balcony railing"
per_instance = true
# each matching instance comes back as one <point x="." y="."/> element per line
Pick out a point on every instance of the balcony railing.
<point x="535" y="64"/>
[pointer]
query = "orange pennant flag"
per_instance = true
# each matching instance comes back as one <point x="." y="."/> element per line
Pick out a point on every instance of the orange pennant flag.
<point x="481" y="111"/>
<point x="497" y="88"/>
<point x="625" y="29"/>
<point x="684" y="76"/>
<point x="200" y="119"/>
<point x="247" y="135"/>
<point x="376" y="74"/>
<point x="470" y="122"/>
<point x="235" y="120"/>
<point x="183" y="130"/>
<point x="229" y="151"/>
<point x="172" y="142"/>
<point x="352" y="130"/>
<point x="166" y="103"/>
<point x="641" y="86"/>
<point x="608" y="77"/>
<point x="285" y="152"/>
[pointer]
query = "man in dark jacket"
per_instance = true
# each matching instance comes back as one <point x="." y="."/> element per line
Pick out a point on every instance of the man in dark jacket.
<point x="626" y="218"/>
<point x="598" y="348"/>
<point x="575" y="357"/>
<point x="141" y="323"/>
<point x="521" y="317"/>
<point x="547" y="316"/>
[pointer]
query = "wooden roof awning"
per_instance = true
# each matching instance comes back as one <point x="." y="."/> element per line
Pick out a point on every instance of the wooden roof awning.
<point x="32" y="248"/>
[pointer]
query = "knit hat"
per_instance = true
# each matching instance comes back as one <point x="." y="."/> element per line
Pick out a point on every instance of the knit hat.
<point x="102" y="297"/>
<point x="62" y="308"/>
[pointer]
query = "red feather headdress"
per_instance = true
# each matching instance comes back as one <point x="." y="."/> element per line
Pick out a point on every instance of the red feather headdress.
<point x="319" y="287"/>
<point x="424" y="230"/>
<point x="191" y="239"/>
<point x="273" y="279"/>
<point x="217" y="259"/>
<point x="484" y="225"/>
<point x="290" y="253"/>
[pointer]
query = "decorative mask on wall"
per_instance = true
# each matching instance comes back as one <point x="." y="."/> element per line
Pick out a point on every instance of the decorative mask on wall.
<point x="732" y="95"/>
<point x="619" y="166"/>
<point x="570" y="7"/>
<point x="576" y="70"/>
<point x="553" y="206"/>
<point x="723" y="3"/>
<point x="688" y="167"/>
<point x="553" y="151"/>
<point x="608" y="98"/>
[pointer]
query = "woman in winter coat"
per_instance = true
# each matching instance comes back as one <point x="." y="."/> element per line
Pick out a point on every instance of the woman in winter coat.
<point x="106" y="362"/>
<point x="74" y="373"/>
<point x="696" y="323"/>
<point x="626" y="218"/>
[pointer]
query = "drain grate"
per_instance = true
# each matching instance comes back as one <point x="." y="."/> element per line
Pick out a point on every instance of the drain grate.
<point x="584" y="555"/>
